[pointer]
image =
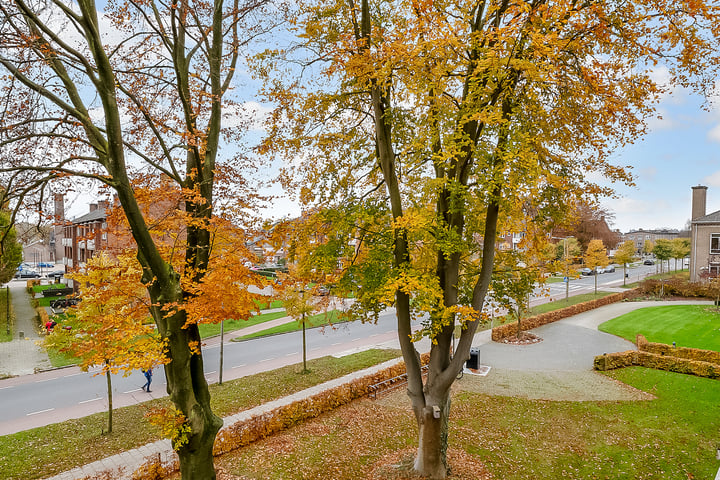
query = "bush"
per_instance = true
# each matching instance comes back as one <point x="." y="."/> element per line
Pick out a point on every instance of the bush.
<point x="674" y="287"/>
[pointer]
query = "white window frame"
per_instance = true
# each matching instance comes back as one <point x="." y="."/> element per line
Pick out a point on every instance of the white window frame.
<point x="716" y="238"/>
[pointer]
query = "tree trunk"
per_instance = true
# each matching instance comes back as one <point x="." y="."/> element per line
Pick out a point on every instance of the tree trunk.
<point x="431" y="459"/>
<point x="110" y="396"/>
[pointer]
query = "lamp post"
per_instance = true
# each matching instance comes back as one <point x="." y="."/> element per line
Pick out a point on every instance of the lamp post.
<point x="302" y="297"/>
<point x="222" y="335"/>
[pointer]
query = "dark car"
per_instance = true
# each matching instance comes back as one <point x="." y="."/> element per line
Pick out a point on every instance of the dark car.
<point x="56" y="274"/>
<point x="27" y="274"/>
<point x="648" y="262"/>
<point x="587" y="271"/>
<point x="609" y="269"/>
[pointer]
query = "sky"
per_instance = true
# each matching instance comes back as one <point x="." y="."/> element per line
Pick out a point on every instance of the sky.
<point x="681" y="150"/>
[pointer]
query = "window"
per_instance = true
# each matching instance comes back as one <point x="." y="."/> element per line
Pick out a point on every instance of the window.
<point x="715" y="243"/>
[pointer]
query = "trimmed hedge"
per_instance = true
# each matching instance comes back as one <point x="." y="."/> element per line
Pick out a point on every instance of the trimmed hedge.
<point x="675" y="287"/>
<point x="630" y="358"/>
<point x="510" y="329"/>
<point x="662" y="349"/>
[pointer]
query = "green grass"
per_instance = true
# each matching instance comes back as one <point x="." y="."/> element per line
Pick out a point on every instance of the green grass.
<point x="293" y="326"/>
<point x="673" y="437"/>
<point x="272" y="304"/>
<point x="211" y="329"/>
<point x="4" y="320"/>
<point x="558" y="304"/>
<point x="49" y="450"/>
<point x="694" y="326"/>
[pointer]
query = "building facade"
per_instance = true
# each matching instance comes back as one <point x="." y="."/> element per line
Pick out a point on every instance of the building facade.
<point x="639" y="237"/>
<point x="85" y="235"/>
<point x="704" y="238"/>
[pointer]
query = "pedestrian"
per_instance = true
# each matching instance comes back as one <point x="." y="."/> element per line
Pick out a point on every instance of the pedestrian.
<point x="148" y="377"/>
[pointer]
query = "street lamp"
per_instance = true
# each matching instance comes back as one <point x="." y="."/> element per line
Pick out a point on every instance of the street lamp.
<point x="302" y="299"/>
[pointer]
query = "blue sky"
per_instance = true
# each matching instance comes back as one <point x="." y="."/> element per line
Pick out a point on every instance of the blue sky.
<point x="682" y="149"/>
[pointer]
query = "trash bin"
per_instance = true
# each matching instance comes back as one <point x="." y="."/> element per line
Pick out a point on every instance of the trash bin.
<point x="474" y="360"/>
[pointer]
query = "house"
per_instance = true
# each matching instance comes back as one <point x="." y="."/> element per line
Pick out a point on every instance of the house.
<point x="639" y="237"/>
<point x="704" y="238"/>
<point x="85" y="235"/>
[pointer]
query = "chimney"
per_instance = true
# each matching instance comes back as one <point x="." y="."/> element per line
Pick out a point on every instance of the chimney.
<point x="93" y="207"/>
<point x="59" y="216"/>
<point x="699" y="197"/>
<point x="103" y="205"/>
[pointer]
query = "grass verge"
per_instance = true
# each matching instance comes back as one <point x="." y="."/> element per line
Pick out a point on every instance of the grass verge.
<point x="49" y="450"/>
<point x="694" y="326"/>
<point x="6" y="324"/>
<point x="673" y="437"/>
<point x="558" y="304"/>
<point x="318" y="320"/>
<point x="211" y="329"/>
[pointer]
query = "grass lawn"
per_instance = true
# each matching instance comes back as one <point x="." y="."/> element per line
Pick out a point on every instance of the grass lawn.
<point x="4" y="327"/>
<point x="558" y="304"/>
<point x="673" y="437"/>
<point x="211" y="329"/>
<point x="49" y="450"/>
<point x="312" y="321"/>
<point x="694" y="326"/>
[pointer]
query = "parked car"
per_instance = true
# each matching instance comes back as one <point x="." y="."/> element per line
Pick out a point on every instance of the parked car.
<point x="27" y="274"/>
<point x="56" y="274"/>
<point x="323" y="290"/>
<point x="609" y="269"/>
<point x="648" y="262"/>
<point x="587" y="271"/>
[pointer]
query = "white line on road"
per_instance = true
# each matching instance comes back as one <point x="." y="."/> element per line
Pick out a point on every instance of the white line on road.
<point x="94" y="399"/>
<point x="44" y="380"/>
<point x="265" y="360"/>
<point x="335" y="344"/>
<point x="9" y="386"/>
<point x="240" y="366"/>
<point x="210" y="373"/>
<point x="133" y="391"/>
<point x="291" y="354"/>
<point x="40" y="411"/>
<point x="315" y="349"/>
<point x="73" y="374"/>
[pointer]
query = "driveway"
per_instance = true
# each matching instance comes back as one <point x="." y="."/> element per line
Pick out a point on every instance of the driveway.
<point x="561" y="366"/>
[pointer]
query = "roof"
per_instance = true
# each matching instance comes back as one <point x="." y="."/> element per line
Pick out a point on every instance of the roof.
<point x="98" y="214"/>
<point x="710" y="218"/>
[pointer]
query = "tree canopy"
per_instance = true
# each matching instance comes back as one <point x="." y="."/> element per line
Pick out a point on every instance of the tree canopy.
<point x="434" y="126"/>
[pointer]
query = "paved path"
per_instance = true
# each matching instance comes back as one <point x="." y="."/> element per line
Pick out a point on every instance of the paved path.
<point x="22" y="356"/>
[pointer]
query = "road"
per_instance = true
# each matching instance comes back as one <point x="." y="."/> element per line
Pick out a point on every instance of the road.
<point x="34" y="400"/>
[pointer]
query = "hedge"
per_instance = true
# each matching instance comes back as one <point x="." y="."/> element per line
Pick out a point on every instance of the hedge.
<point x="709" y="356"/>
<point x="510" y="329"/>
<point x="611" y="361"/>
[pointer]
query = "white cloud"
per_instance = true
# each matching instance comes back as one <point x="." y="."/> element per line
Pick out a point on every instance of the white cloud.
<point x="250" y="115"/>
<point x="712" y="180"/>
<point x="714" y="134"/>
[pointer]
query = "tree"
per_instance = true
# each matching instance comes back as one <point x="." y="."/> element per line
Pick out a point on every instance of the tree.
<point x="625" y="255"/>
<point x="428" y="124"/>
<point x="648" y="246"/>
<point x="111" y="327"/>
<point x="513" y="282"/>
<point x="596" y="256"/>
<point x="680" y="249"/>
<point x="11" y="252"/>
<point x="663" y="250"/>
<point x="140" y="91"/>
<point x="589" y="221"/>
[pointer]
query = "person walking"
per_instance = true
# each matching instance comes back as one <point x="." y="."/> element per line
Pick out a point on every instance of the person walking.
<point x="148" y="377"/>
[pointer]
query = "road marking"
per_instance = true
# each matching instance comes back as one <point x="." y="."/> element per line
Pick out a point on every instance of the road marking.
<point x="210" y="373"/>
<point x="40" y="411"/>
<point x="240" y="366"/>
<point x="336" y="344"/>
<point x="73" y="374"/>
<point x="374" y="335"/>
<point x="3" y="388"/>
<point x="94" y="399"/>
<point x="315" y="349"/>
<point x="291" y="354"/>
<point x="133" y="391"/>
<point x="45" y="380"/>
<point x="265" y="360"/>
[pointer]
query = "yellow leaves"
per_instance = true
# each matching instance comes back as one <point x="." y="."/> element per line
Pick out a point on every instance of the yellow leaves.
<point x="172" y="424"/>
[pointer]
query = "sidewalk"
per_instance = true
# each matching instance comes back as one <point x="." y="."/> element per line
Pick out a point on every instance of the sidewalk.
<point x="22" y="356"/>
<point x="122" y="465"/>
